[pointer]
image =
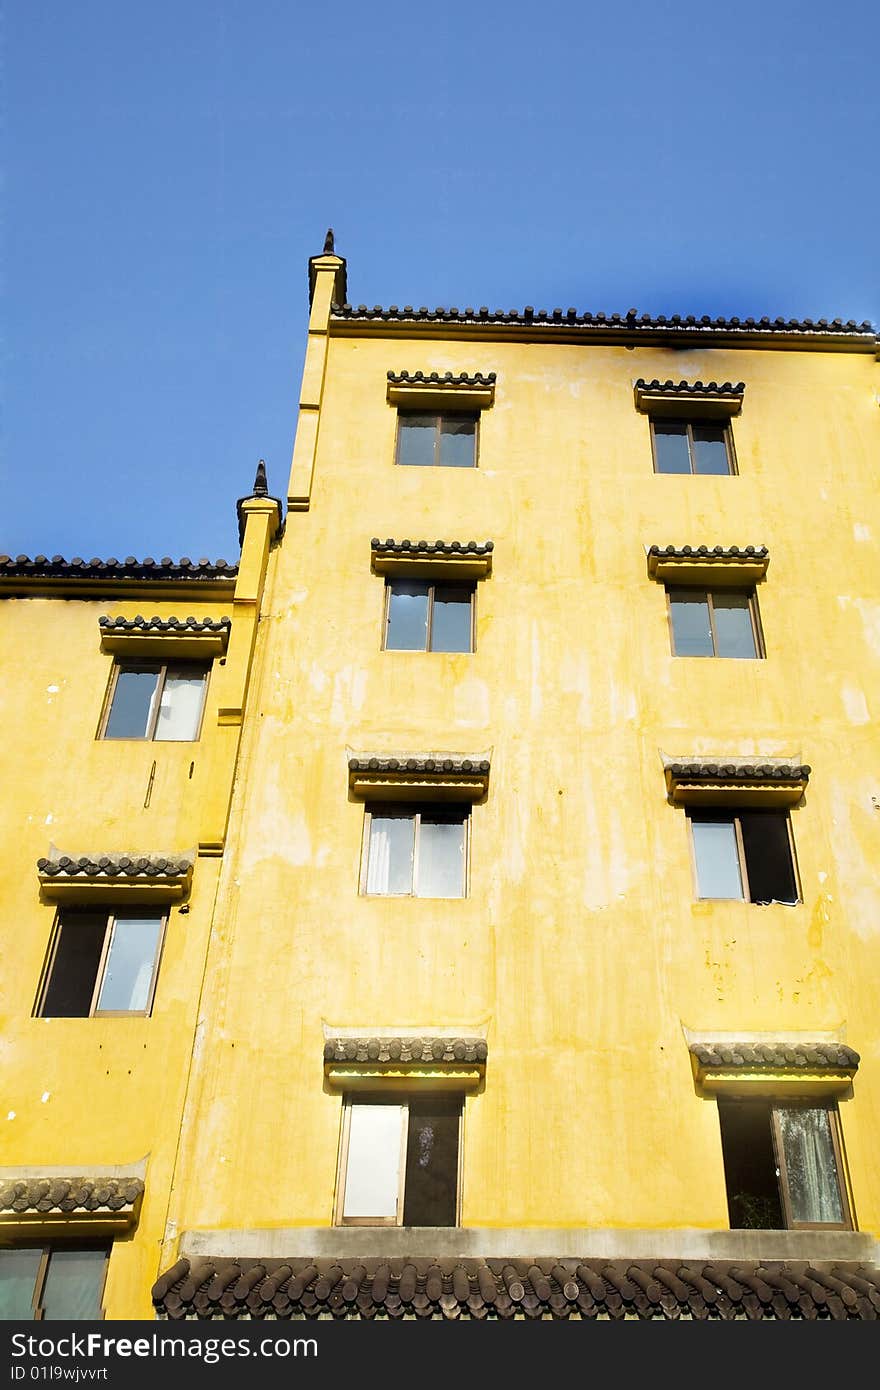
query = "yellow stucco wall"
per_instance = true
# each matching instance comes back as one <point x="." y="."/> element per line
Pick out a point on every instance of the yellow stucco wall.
<point x="580" y="948"/>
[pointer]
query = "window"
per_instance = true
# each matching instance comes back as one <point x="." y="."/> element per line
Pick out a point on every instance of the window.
<point x="416" y="851"/>
<point x="102" y="963"/>
<point x="783" y="1165"/>
<point x="747" y="855"/>
<point x="438" y="440"/>
<point x="52" y="1282"/>
<point x="399" y="1161"/>
<point x="160" y="702"/>
<point x="692" y="446"/>
<point x="721" y="622"/>
<point x="429" y="617"/>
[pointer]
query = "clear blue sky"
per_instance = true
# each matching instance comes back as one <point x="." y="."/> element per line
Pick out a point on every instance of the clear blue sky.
<point x="168" y="168"/>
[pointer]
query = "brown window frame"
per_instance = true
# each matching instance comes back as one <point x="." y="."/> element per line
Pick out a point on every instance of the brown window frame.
<point x="839" y="1159"/>
<point x="161" y="670"/>
<point x="405" y="809"/>
<point x="403" y="1100"/>
<point x="432" y="584"/>
<point x="748" y="592"/>
<point x="94" y="1011"/>
<point x="47" y="1251"/>
<point x="733" y="813"/>
<point x="689" y="423"/>
<point x="438" y="416"/>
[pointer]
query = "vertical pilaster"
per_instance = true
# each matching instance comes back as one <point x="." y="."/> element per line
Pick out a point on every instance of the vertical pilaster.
<point x="327" y="284"/>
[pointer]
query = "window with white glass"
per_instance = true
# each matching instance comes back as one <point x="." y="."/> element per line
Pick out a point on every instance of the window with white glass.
<point x="423" y="617"/>
<point x="52" y="1282"/>
<point x="783" y="1165"/>
<point x="101" y="963"/>
<point x="399" y="1161"/>
<point x="744" y="854"/>
<point x="720" y="622"/>
<point x="415" y="851"/>
<point x="158" y="701"/>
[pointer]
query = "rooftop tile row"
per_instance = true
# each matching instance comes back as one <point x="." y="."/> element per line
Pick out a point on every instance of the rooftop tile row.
<point x="441" y="379"/>
<point x="741" y="772"/>
<point x="625" y="322"/>
<point x="129" y="568"/>
<point x="723" y="552"/>
<point x="543" y="1288"/>
<point x="454" y="764"/>
<point x="408" y="547"/>
<point x="691" y="388"/>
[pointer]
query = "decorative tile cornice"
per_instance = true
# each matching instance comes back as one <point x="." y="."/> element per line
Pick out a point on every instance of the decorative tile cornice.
<point x="695" y="564"/>
<point x="697" y="398"/>
<point x="777" y="1056"/>
<point x="437" y="390"/>
<point x="531" y="1288"/>
<point x="418" y="777"/>
<point x="187" y="637"/>
<point x="739" y="781"/>
<point x="398" y="1050"/>
<point x="819" y="334"/>
<point x="90" y="878"/>
<point x="88" y="1203"/>
<point x="469" y="559"/>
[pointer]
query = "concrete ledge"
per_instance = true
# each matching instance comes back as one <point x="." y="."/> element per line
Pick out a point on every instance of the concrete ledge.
<point x="535" y="1243"/>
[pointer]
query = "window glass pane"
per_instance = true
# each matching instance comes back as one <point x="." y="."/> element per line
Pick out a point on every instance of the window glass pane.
<point x="671" y="446"/>
<point x="18" y="1273"/>
<point x="372" y="1177"/>
<point x="130" y="960"/>
<point x="451" y="620"/>
<point x="710" y="449"/>
<point x="180" y="707"/>
<point x="407" y="617"/>
<point x="73" y="1285"/>
<point x="432" y="1162"/>
<point x="733" y="624"/>
<point x="813" y="1183"/>
<point x="75" y="966"/>
<point x="768" y="857"/>
<point x="717" y="860"/>
<point x="750" y="1166"/>
<point x="416" y="436"/>
<point x="390" y="865"/>
<point x="132" y="696"/>
<point x="441" y="855"/>
<point x="691" y="633"/>
<point x="458" y="437"/>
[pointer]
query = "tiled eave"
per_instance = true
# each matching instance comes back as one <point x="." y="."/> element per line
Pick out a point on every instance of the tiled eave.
<point x="696" y="398"/>
<point x="37" y="1203"/>
<point x="568" y="325"/>
<point x="774" y="1067"/>
<point x="115" y="878"/>
<point x="441" y="390"/>
<point x="175" y="637"/>
<point x="418" y="777"/>
<point x="531" y="1288"/>
<point x="127" y="578"/>
<point x="740" y="781"/>
<point x="705" y="564"/>
<point x="427" y="559"/>
<point x="448" y="1063"/>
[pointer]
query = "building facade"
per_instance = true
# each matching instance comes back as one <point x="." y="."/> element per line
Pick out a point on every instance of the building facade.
<point x="465" y="904"/>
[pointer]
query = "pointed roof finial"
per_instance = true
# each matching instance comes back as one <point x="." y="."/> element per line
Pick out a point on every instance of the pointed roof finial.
<point x="329" y="245"/>
<point x="261" y="486"/>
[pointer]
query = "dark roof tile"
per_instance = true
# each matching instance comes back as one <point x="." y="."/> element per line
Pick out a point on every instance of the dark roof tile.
<point x="780" y="1056"/>
<point x="156" y="624"/>
<point x="69" y="1194"/>
<point x="553" y="1288"/>
<point x="59" y="568"/>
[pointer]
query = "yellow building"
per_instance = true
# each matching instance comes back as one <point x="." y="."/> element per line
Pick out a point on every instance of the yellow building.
<point x="466" y="904"/>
